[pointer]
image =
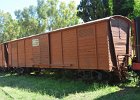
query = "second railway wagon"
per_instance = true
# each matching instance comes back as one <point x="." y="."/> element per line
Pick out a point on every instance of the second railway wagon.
<point x="97" y="45"/>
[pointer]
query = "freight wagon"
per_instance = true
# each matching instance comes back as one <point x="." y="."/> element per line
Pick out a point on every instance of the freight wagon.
<point x="100" y="45"/>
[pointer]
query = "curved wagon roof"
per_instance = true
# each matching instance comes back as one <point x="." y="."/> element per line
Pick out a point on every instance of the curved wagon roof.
<point x="78" y="25"/>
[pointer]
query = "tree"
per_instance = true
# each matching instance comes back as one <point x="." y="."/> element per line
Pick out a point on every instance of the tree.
<point x="60" y="14"/>
<point x="93" y="9"/>
<point x="136" y="11"/>
<point x="32" y="20"/>
<point x="46" y="16"/>
<point x="9" y="28"/>
<point x="123" y="7"/>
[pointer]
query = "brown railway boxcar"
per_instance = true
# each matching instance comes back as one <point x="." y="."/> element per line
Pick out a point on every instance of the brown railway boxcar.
<point x="97" y="45"/>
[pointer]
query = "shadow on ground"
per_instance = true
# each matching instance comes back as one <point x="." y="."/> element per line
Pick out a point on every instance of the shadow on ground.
<point x="59" y="87"/>
<point x="126" y="93"/>
<point x="46" y="84"/>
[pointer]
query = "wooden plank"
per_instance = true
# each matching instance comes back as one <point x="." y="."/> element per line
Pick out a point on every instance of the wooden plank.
<point x="87" y="47"/>
<point x="1" y="56"/>
<point x="56" y="49"/>
<point x="36" y="50"/>
<point x="102" y="45"/>
<point x="77" y="48"/>
<point x="44" y="50"/>
<point x="70" y="48"/>
<point x="120" y="31"/>
<point x="21" y="53"/>
<point x="62" y="49"/>
<point x="9" y="54"/>
<point x="14" y="54"/>
<point x="28" y="50"/>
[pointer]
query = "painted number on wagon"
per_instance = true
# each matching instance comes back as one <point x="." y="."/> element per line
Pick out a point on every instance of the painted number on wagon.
<point x="35" y="42"/>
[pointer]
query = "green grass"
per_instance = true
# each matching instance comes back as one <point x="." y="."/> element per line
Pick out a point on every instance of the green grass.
<point x="29" y="87"/>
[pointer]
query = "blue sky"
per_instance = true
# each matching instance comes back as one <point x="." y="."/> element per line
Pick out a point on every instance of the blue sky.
<point x="12" y="5"/>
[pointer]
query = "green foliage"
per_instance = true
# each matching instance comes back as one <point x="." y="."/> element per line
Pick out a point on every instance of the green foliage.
<point x="32" y="20"/>
<point x="48" y="87"/>
<point x="9" y="28"/>
<point x="53" y="14"/>
<point x="46" y="16"/>
<point x="93" y="9"/>
<point x="45" y="86"/>
<point x="62" y="16"/>
<point x="111" y="7"/>
<point x="123" y="7"/>
<point x="136" y="11"/>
